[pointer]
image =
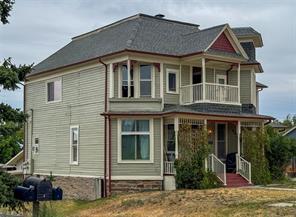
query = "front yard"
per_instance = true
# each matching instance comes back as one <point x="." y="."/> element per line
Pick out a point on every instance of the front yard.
<point x="215" y="202"/>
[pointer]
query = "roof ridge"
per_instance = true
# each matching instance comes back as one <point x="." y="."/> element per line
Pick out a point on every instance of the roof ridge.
<point x="133" y="34"/>
<point x="106" y="26"/>
<point x="203" y="30"/>
<point x="168" y="20"/>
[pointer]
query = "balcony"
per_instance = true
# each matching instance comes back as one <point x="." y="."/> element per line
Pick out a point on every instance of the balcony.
<point x="209" y="92"/>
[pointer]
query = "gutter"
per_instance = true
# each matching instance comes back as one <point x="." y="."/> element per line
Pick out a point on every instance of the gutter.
<point x="105" y="130"/>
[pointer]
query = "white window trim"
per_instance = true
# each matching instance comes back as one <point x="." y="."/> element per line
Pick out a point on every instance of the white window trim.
<point x="176" y="72"/>
<point x="46" y="90"/>
<point x="151" y="139"/>
<point x="152" y="91"/>
<point x="219" y="76"/>
<point x="78" y="141"/>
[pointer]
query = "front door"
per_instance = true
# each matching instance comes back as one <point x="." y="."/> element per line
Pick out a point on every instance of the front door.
<point x="221" y="140"/>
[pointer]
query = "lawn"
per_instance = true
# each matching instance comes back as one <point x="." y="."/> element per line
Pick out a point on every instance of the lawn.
<point x="215" y="202"/>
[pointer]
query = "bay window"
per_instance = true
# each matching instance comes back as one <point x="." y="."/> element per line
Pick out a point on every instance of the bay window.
<point x="145" y="80"/>
<point x="125" y="86"/>
<point x="135" y="140"/>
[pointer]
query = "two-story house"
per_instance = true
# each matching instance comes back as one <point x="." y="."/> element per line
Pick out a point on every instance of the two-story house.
<point x="105" y="110"/>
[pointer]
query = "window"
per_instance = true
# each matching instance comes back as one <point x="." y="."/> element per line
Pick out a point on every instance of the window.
<point x="125" y="86"/>
<point x="172" y="81"/>
<point x="145" y="80"/>
<point x="54" y="91"/>
<point x="136" y="141"/>
<point x="171" y="145"/>
<point x="74" y="142"/>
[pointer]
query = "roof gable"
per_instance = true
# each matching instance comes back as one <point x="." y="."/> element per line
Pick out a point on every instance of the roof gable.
<point x="223" y="44"/>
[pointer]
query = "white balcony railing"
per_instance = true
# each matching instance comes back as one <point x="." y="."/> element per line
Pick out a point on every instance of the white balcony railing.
<point x="243" y="167"/>
<point x="216" y="166"/>
<point x="169" y="168"/>
<point x="219" y="93"/>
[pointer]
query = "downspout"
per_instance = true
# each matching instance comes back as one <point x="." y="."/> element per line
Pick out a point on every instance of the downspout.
<point x="105" y="130"/>
<point x="227" y="73"/>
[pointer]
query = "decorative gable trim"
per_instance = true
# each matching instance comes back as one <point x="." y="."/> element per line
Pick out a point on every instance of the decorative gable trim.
<point x="232" y="39"/>
<point x="223" y="44"/>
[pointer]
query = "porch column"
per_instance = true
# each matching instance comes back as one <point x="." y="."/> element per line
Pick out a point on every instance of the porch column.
<point x="128" y="77"/>
<point x="238" y="129"/>
<point x="111" y="81"/>
<point x="203" y="77"/>
<point x="176" y="128"/>
<point x="238" y="81"/>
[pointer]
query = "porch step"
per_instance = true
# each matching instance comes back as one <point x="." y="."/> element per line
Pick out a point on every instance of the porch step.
<point x="235" y="180"/>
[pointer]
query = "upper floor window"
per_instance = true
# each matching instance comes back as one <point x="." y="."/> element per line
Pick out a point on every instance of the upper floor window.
<point x="74" y="142"/>
<point x="172" y="85"/>
<point x="135" y="143"/>
<point x="54" y="91"/>
<point x="145" y="80"/>
<point x="127" y="89"/>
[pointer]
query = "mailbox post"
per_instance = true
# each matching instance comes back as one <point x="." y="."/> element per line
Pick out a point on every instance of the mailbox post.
<point x="36" y="189"/>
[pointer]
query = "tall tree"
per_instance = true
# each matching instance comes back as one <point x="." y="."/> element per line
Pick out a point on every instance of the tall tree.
<point x="5" y="8"/>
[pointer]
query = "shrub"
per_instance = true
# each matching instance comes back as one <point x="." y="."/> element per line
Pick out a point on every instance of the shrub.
<point x="7" y="185"/>
<point x="257" y="142"/>
<point x="193" y="151"/>
<point x="281" y="150"/>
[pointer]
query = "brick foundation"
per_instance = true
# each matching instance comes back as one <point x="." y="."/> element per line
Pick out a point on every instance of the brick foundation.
<point x="125" y="186"/>
<point x="78" y="187"/>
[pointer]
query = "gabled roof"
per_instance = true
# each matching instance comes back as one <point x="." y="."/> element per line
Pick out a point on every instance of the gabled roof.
<point x="289" y="131"/>
<point x="248" y="33"/>
<point x="141" y="33"/>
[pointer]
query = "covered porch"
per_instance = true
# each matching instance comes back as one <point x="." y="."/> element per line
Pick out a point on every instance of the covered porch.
<point x="224" y="138"/>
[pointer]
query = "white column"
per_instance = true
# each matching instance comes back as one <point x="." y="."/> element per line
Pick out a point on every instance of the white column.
<point x="128" y="77"/>
<point x="238" y="129"/>
<point x="161" y="85"/>
<point x="180" y="83"/>
<point x="176" y="128"/>
<point x="111" y="81"/>
<point x="238" y="81"/>
<point x="203" y="64"/>
<point x="161" y="147"/>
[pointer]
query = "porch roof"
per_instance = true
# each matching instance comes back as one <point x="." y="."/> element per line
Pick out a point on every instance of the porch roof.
<point x="187" y="111"/>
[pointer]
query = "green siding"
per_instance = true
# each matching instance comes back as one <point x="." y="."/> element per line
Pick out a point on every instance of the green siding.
<point x="245" y="85"/>
<point x="82" y="103"/>
<point x="168" y="97"/>
<point x="185" y="75"/>
<point x="210" y="75"/>
<point x="135" y="104"/>
<point x="137" y="169"/>
<point x="232" y="77"/>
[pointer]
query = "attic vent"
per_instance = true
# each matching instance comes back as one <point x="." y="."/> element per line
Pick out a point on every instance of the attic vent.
<point x="159" y="16"/>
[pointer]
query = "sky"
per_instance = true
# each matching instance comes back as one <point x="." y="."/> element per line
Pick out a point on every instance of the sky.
<point x="38" y="28"/>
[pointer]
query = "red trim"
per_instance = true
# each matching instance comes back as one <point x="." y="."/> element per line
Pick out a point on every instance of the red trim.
<point x="105" y="128"/>
<point x="223" y="44"/>
<point x="186" y="113"/>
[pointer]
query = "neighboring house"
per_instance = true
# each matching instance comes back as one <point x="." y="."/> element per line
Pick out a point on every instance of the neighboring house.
<point x="14" y="165"/>
<point x="291" y="169"/>
<point x="105" y="109"/>
<point x="278" y="126"/>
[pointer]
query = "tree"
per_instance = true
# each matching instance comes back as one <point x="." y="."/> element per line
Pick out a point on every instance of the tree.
<point x="290" y="121"/>
<point x="11" y="120"/>
<point x="5" y="8"/>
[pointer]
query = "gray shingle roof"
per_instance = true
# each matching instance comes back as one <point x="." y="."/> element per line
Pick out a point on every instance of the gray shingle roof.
<point x="258" y="84"/>
<point x="139" y="33"/>
<point x="245" y="31"/>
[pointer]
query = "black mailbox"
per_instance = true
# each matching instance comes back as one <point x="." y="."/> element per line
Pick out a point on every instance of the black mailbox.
<point x="57" y="194"/>
<point x="42" y="187"/>
<point x="25" y="194"/>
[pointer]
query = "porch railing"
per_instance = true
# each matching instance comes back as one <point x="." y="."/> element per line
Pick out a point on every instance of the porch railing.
<point x="218" y="167"/>
<point x="169" y="168"/>
<point x="243" y="167"/>
<point x="219" y="93"/>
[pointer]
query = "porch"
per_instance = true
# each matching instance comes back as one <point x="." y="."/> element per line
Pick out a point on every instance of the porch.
<point x="225" y="140"/>
<point x="210" y="80"/>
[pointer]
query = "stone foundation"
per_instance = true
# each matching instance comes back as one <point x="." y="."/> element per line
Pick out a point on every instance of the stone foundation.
<point x="78" y="187"/>
<point x="126" y="186"/>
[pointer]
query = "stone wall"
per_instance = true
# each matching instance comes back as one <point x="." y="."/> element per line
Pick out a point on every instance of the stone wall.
<point x="78" y="187"/>
<point x="125" y="186"/>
